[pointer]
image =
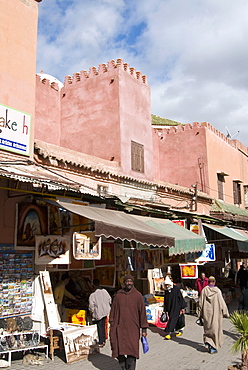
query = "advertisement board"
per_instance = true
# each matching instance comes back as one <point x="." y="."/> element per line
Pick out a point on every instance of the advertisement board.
<point x="15" y="130"/>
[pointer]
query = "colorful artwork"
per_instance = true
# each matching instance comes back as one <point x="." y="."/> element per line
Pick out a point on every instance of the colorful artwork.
<point x="107" y="255"/>
<point x="189" y="271"/>
<point x="180" y="222"/>
<point x="79" y="223"/>
<point x="106" y="275"/>
<point x="52" y="249"/>
<point x="31" y="220"/>
<point x="140" y="257"/>
<point x="79" y="342"/>
<point x="65" y="221"/>
<point x="86" y="246"/>
<point x="54" y="220"/>
<point x="120" y="259"/>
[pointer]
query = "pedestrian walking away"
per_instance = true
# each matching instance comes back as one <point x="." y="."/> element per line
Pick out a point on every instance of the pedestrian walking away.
<point x="174" y="306"/>
<point x="243" y="300"/>
<point x="242" y="277"/>
<point x="127" y="319"/>
<point x="99" y="307"/>
<point x="212" y="308"/>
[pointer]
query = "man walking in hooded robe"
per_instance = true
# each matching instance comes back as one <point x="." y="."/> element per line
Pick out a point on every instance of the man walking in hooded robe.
<point x="174" y="305"/>
<point x="127" y="318"/>
<point x="212" y="308"/>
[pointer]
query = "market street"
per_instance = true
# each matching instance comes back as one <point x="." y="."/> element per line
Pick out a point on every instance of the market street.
<point x="184" y="353"/>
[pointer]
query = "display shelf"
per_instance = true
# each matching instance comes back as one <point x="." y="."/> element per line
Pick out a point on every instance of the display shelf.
<point x="9" y="351"/>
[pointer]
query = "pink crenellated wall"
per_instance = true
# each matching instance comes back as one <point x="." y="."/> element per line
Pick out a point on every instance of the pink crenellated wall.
<point x="47" y="115"/>
<point x="99" y="113"/>
<point x="194" y="153"/>
<point x="181" y="155"/>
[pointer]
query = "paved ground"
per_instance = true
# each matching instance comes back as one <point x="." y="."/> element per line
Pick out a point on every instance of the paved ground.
<point x="184" y="353"/>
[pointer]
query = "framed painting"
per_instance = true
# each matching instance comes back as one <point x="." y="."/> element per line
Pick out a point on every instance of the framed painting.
<point x="106" y="275"/>
<point x="86" y="246"/>
<point x="52" y="249"/>
<point x="189" y="271"/>
<point x="31" y="220"/>
<point x="107" y="255"/>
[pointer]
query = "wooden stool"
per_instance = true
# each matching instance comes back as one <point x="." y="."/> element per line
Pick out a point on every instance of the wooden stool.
<point x="54" y="343"/>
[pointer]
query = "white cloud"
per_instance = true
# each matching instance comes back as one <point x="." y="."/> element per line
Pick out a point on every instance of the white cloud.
<point x="193" y="52"/>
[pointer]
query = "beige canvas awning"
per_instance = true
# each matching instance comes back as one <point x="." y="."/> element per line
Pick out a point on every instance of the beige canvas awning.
<point x="119" y="225"/>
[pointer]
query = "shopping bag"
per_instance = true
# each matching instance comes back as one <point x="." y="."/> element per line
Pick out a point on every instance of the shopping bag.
<point x="145" y="345"/>
<point x="199" y="322"/>
<point x="164" y="317"/>
<point x="181" y="322"/>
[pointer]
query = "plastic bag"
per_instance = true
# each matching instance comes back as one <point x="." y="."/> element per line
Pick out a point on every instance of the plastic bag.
<point x="145" y="345"/>
<point x="199" y="322"/>
<point x="164" y="317"/>
<point x="181" y="322"/>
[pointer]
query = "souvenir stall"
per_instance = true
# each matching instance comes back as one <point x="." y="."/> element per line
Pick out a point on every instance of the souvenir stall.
<point x="17" y="331"/>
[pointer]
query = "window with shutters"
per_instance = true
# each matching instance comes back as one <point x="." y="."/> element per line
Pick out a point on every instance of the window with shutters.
<point x="221" y="180"/>
<point x="246" y="195"/>
<point x="137" y="157"/>
<point x="237" y="192"/>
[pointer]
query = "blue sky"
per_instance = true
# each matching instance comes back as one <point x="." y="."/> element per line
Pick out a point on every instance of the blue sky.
<point x="194" y="52"/>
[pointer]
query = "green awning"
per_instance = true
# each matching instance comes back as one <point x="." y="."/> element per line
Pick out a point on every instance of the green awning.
<point x="220" y="207"/>
<point x="185" y="241"/>
<point x="238" y="235"/>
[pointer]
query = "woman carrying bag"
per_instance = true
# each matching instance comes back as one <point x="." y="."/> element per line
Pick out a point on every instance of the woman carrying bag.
<point x="174" y="306"/>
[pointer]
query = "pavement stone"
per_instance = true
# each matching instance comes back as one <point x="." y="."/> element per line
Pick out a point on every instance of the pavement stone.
<point x="185" y="353"/>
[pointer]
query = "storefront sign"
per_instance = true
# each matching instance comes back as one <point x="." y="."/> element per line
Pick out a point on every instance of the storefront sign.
<point x="189" y="271"/>
<point x="15" y="130"/>
<point x="208" y="255"/>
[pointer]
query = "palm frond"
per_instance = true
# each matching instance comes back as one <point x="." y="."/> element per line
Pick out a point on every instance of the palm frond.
<point x="239" y="320"/>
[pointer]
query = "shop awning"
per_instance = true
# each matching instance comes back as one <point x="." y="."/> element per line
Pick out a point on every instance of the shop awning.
<point x="185" y="241"/>
<point x="238" y="235"/>
<point x="119" y="225"/>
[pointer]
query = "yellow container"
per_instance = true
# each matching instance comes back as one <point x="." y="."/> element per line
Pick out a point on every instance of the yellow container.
<point x="76" y="316"/>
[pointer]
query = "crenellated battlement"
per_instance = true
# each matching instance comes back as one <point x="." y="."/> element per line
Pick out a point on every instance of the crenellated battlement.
<point x="105" y="68"/>
<point x="49" y="82"/>
<point x="188" y="126"/>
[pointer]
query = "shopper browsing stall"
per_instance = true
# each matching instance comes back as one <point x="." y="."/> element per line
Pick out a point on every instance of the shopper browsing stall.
<point x="60" y="292"/>
<point x="99" y="306"/>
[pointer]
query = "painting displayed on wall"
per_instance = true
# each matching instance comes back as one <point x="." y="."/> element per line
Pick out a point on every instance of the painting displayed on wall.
<point x="52" y="249"/>
<point x="107" y="255"/>
<point x="120" y="259"/>
<point x="189" y="271"/>
<point x="86" y="246"/>
<point x="65" y="221"/>
<point x="54" y="220"/>
<point x="106" y="275"/>
<point x="31" y="220"/>
<point x="140" y="258"/>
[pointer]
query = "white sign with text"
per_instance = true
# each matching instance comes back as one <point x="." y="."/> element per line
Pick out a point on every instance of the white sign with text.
<point x="15" y="130"/>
